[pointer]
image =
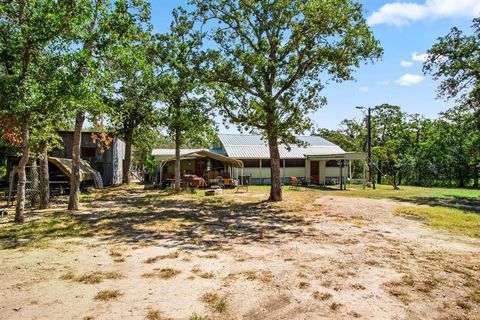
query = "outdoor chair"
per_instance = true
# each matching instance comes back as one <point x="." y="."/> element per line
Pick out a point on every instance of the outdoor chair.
<point x="243" y="182"/>
<point x="294" y="184"/>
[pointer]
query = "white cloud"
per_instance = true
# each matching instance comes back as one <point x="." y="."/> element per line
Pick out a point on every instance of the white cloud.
<point x="363" y="89"/>
<point x="409" y="79"/>
<point x="419" y="57"/>
<point x="406" y="64"/>
<point x="383" y="82"/>
<point x="403" y="13"/>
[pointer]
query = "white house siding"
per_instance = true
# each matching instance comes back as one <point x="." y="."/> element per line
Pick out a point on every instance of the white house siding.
<point x="262" y="175"/>
<point x="334" y="173"/>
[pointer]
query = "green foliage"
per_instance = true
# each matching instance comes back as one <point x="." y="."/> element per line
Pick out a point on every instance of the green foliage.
<point x="132" y="103"/>
<point x="273" y="58"/>
<point x="186" y="107"/>
<point x="105" y="34"/>
<point x="3" y="171"/>
<point x="454" y="59"/>
<point x="410" y="149"/>
<point x="34" y="37"/>
<point x="272" y="55"/>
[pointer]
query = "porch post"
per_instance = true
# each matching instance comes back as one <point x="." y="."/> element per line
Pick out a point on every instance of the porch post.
<point x="161" y="172"/>
<point x="350" y="169"/>
<point x="260" y="170"/>
<point x="341" y="174"/>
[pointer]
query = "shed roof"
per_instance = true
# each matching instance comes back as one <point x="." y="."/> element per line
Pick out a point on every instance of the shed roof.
<point x="168" y="153"/>
<point x="243" y="146"/>
<point x="65" y="165"/>
<point x="208" y="154"/>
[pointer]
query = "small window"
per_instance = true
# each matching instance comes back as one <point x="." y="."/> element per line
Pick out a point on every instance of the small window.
<point x="88" y="152"/>
<point x="265" y="163"/>
<point x="294" y="163"/>
<point x="251" y="163"/>
<point x="332" y="163"/>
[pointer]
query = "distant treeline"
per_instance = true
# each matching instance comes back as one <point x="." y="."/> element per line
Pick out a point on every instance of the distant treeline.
<point x="412" y="150"/>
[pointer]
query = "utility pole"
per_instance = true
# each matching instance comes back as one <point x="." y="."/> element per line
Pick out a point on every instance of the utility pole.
<point x="369" y="146"/>
<point x="371" y="179"/>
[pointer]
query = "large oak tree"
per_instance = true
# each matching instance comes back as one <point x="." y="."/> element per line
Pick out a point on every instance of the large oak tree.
<point x="186" y="113"/>
<point x="273" y="58"/>
<point x="33" y="36"/>
<point x="107" y="28"/>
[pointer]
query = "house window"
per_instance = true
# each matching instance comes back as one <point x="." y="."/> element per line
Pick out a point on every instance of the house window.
<point x="294" y="163"/>
<point x="265" y="163"/>
<point x="332" y="163"/>
<point x="251" y="163"/>
<point x="88" y="152"/>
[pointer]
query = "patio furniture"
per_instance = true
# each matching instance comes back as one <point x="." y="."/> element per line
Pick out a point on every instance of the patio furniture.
<point x="294" y="184"/>
<point x="243" y="182"/>
<point x="192" y="180"/>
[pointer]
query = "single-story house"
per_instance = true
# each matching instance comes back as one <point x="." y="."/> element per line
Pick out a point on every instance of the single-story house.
<point x="318" y="162"/>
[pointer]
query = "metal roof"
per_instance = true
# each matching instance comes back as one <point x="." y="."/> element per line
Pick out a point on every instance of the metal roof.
<point x="205" y="153"/>
<point x="242" y="146"/>
<point x="167" y="153"/>
<point x="257" y="140"/>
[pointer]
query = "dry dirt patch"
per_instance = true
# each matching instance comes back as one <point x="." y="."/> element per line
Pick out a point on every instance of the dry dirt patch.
<point x="326" y="258"/>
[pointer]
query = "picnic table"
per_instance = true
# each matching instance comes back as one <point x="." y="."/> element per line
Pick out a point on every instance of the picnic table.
<point x="190" y="180"/>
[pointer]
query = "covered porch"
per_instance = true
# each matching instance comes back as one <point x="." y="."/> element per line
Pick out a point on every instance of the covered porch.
<point x="333" y="169"/>
<point x="200" y="168"/>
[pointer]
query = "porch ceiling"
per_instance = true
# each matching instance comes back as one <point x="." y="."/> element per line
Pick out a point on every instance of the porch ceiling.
<point x="204" y="153"/>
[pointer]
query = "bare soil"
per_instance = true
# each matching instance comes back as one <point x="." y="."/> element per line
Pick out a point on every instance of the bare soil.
<point x="320" y="257"/>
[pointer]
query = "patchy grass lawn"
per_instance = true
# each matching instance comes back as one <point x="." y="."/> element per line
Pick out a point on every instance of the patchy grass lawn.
<point x="341" y="254"/>
<point x="453" y="220"/>
<point x="463" y="199"/>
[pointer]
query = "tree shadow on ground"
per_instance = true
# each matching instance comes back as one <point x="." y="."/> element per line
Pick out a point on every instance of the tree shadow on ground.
<point x="452" y="201"/>
<point x="146" y="218"/>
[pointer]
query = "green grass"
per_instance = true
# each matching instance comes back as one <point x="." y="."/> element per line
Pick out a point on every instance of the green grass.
<point x="454" y="220"/>
<point x="385" y="192"/>
<point x="467" y="200"/>
<point x="412" y="193"/>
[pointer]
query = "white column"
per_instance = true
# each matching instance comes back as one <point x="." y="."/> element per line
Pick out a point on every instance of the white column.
<point x="260" y="170"/>
<point x="350" y="169"/>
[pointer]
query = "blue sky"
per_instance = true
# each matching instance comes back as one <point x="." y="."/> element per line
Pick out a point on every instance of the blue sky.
<point x="406" y="30"/>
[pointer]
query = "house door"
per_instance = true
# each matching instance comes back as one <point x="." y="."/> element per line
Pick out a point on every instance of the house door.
<point x="200" y="166"/>
<point x="314" y="172"/>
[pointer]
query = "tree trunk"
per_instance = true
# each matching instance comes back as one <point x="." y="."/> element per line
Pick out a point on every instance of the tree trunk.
<point x="74" y="199"/>
<point x="128" y="157"/>
<point x="44" y="177"/>
<point x="461" y="179"/>
<point x="276" y="187"/>
<point x="20" y="208"/>
<point x="177" y="159"/>
<point x="475" y="177"/>
<point x="34" y="187"/>
<point x="379" y="175"/>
